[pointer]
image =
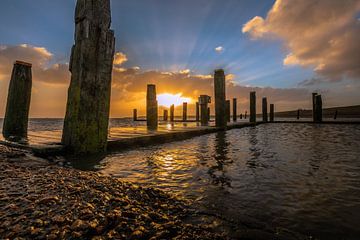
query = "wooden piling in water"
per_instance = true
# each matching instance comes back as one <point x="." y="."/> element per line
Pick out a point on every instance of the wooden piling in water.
<point x="313" y="103"/>
<point x="18" y="102"/>
<point x="335" y="115"/>
<point x="135" y="115"/>
<point x="241" y="116"/>
<point x="318" y="109"/>
<point x="264" y="109"/>
<point x="234" y="109"/>
<point x="184" y="118"/>
<point x="298" y="114"/>
<point x="166" y="115"/>
<point x="151" y="107"/>
<point x="197" y="110"/>
<point x="204" y="100"/>
<point x="209" y="114"/>
<point x="172" y="110"/>
<point x="252" y="107"/>
<point x="272" y="112"/>
<point x="228" y="113"/>
<point x="220" y="104"/>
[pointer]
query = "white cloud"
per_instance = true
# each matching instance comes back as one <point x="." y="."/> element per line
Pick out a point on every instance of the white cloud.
<point x="219" y="49"/>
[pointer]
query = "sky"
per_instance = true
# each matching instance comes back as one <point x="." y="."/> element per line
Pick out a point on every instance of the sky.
<point x="282" y="49"/>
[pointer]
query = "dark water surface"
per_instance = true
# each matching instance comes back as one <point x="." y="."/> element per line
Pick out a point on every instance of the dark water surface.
<point x="302" y="177"/>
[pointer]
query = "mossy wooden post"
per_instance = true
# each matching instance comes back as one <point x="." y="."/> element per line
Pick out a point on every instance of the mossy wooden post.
<point x="204" y="100"/>
<point x="313" y="104"/>
<point x="151" y="107"/>
<point x="264" y="110"/>
<point x="172" y="110"/>
<point x="318" y="109"/>
<point x="166" y="115"/>
<point x="87" y="113"/>
<point x="228" y="111"/>
<point x="135" y="114"/>
<point x="18" y="102"/>
<point x="184" y="117"/>
<point x="272" y="112"/>
<point x="253" y="107"/>
<point x="234" y="109"/>
<point x="197" y="112"/>
<point x="220" y="102"/>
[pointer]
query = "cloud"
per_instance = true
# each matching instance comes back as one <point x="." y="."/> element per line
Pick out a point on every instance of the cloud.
<point x="219" y="49"/>
<point x="119" y="58"/>
<point x="322" y="34"/>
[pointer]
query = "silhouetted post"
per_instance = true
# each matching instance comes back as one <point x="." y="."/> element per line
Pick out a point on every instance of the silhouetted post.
<point x="253" y="107"/>
<point x="234" y="109"/>
<point x="298" y="114"/>
<point x="264" y="109"/>
<point x="166" y="115"/>
<point x="197" y="118"/>
<point x="204" y="100"/>
<point x="18" y="102"/>
<point x="172" y="110"/>
<point x="151" y="107"/>
<point x="184" y="118"/>
<point x="335" y="115"/>
<point x="313" y="102"/>
<point x="245" y="114"/>
<point x="209" y="114"/>
<point x="91" y="64"/>
<point x="241" y="116"/>
<point x="272" y="112"/>
<point x="228" y="111"/>
<point x="220" y="104"/>
<point x="135" y="114"/>
<point x="318" y="109"/>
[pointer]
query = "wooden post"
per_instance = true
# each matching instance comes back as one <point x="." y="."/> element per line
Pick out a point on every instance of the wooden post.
<point x="264" y="109"/>
<point x="272" y="112"/>
<point x="172" y="110"/>
<point x="166" y="115"/>
<point x="335" y="115"/>
<point x="87" y="113"/>
<point x="253" y="107"/>
<point x="234" y="109"/>
<point x="228" y="113"/>
<point x="313" y="102"/>
<point x="151" y="107"/>
<point x="135" y="114"/>
<point x="197" y="112"/>
<point x="220" y="104"/>
<point x="318" y="109"/>
<point x="298" y="114"/>
<point x="184" y="112"/>
<point x="245" y="114"/>
<point x="209" y="114"/>
<point x="241" y="116"/>
<point x="204" y="100"/>
<point x="18" y="102"/>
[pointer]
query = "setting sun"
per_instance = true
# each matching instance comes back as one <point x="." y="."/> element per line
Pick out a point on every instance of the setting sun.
<point x="167" y="99"/>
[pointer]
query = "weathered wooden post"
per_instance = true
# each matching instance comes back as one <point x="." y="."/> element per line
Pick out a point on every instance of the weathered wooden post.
<point x="253" y="107"/>
<point x="135" y="114"/>
<point x="335" y="115"/>
<point x="184" y="118"/>
<point x="234" y="109"/>
<point x="91" y="63"/>
<point x="318" y="109"/>
<point x="197" y="116"/>
<point x="18" y="102"/>
<point x="220" y="104"/>
<point x="228" y="111"/>
<point x="172" y="110"/>
<point x="209" y="114"/>
<point x="166" y="115"/>
<point x="313" y="103"/>
<point x="204" y="100"/>
<point x="151" y="107"/>
<point x="298" y="114"/>
<point x="264" y="109"/>
<point x="272" y="112"/>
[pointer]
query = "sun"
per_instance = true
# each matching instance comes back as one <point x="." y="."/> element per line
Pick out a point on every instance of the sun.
<point x="167" y="99"/>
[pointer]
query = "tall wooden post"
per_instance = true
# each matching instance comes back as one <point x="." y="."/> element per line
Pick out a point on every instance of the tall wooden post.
<point x="253" y="107"/>
<point x="91" y="64"/>
<point x="313" y="103"/>
<point x="172" y="110"/>
<point x="166" y="115"/>
<point x="264" y="110"/>
<point x="184" y="112"/>
<point x="220" y="104"/>
<point x="234" y="109"/>
<point x="204" y="100"/>
<point x="272" y="112"/>
<point x="135" y="114"/>
<point x="18" y="102"/>
<point x="151" y="107"/>
<point x="197" y="118"/>
<point x="318" y="109"/>
<point x="228" y="111"/>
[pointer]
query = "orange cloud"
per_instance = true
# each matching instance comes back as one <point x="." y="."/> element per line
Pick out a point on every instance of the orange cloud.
<point x="322" y="34"/>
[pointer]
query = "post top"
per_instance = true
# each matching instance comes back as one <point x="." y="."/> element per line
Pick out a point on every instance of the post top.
<point x="219" y="71"/>
<point x="23" y="63"/>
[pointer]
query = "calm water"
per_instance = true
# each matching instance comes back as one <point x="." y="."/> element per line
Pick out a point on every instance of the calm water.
<point x="305" y="178"/>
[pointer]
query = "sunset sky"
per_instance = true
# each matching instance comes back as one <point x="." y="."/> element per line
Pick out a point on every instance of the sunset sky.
<point x="283" y="49"/>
